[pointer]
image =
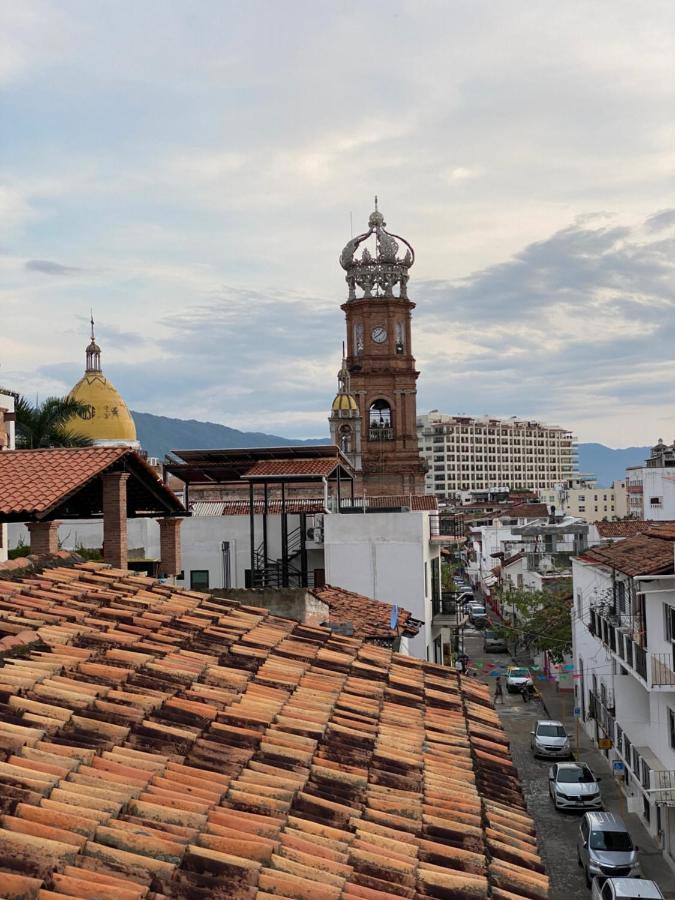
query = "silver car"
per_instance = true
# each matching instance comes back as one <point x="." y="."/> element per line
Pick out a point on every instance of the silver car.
<point x="625" y="889"/>
<point x="494" y="643"/>
<point x="549" y="738"/>
<point x="605" y="848"/>
<point x="573" y="786"/>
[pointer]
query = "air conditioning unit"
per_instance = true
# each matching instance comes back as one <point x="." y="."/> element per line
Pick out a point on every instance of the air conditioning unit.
<point x="315" y="534"/>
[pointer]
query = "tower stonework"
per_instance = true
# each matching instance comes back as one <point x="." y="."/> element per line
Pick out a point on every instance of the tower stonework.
<point x="379" y="359"/>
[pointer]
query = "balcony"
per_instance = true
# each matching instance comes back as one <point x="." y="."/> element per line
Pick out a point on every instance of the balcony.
<point x="655" y="669"/>
<point x="550" y="562"/>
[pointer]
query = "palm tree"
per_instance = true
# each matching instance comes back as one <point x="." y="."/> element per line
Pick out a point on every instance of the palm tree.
<point x="47" y="424"/>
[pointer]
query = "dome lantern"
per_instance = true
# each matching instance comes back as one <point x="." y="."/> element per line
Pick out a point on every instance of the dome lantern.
<point x="105" y="418"/>
<point x="93" y="352"/>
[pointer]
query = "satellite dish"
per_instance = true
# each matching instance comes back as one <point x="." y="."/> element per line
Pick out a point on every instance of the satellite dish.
<point x="393" y="621"/>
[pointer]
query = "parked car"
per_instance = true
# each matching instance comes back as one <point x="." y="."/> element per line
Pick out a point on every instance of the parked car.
<point x="625" y="889"/>
<point x="573" y="786"/>
<point x="549" y="738"/>
<point x="605" y="848"/>
<point x="516" y="677"/>
<point x="477" y="615"/>
<point x="493" y="642"/>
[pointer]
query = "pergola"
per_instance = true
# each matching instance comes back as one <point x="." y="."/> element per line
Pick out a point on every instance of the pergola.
<point x="272" y="469"/>
<point x="44" y="487"/>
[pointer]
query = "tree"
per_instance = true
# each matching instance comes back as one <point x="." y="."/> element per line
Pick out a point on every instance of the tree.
<point x="46" y="423"/>
<point x="538" y="621"/>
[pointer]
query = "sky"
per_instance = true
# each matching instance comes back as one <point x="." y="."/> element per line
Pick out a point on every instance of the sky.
<point x="189" y="171"/>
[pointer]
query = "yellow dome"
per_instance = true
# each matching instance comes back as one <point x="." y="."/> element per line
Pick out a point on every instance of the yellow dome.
<point x="109" y="420"/>
<point x="345" y="403"/>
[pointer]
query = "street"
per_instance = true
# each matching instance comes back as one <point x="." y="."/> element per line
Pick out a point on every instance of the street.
<point x="557" y="831"/>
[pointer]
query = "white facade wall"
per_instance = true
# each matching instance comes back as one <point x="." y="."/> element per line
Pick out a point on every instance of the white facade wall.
<point x="202" y="540"/>
<point x="385" y="556"/>
<point x="6" y="406"/>
<point x="467" y="454"/>
<point x="658" y="493"/>
<point x="644" y="709"/>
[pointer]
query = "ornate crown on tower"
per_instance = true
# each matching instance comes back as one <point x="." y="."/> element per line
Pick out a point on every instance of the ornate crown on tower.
<point x="377" y="272"/>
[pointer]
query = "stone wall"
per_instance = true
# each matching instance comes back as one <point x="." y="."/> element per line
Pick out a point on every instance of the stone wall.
<point x="291" y="603"/>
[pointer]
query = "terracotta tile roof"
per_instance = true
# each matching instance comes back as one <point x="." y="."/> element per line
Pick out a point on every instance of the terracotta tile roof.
<point x="622" y="528"/>
<point x="34" y="480"/>
<point x="643" y="554"/>
<point x="415" y="502"/>
<point x="161" y="742"/>
<point x="292" y="468"/>
<point x="369" y="618"/>
<point x="513" y="559"/>
<point x="241" y="507"/>
<point x="527" y="511"/>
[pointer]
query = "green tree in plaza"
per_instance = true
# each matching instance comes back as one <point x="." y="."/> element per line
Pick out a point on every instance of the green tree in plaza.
<point x="48" y="424"/>
<point x="538" y="621"/>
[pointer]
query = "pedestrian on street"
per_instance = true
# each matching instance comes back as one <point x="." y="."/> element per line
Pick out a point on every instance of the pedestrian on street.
<point x="525" y="692"/>
<point x="499" y="689"/>
<point x="459" y="665"/>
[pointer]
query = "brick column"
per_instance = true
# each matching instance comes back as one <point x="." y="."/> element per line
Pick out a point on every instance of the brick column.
<point x="169" y="546"/>
<point x="44" y="537"/>
<point x="115" y="544"/>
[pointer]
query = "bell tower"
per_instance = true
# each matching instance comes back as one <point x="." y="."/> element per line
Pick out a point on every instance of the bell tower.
<point x="380" y="361"/>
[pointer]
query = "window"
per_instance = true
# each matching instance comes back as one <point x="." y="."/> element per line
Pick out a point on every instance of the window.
<point x="621" y="597"/>
<point x="199" y="579"/>
<point x="671" y="725"/>
<point x="655" y="501"/>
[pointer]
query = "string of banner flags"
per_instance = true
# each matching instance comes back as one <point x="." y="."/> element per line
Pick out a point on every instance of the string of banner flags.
<point x="493" y="669"/>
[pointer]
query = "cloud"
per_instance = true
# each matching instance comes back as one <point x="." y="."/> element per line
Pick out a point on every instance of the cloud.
<point x="46" y="267"/>
<point x="205" y="197"/>
<point x="571" y="328"/>
<point x="661" y="220"/>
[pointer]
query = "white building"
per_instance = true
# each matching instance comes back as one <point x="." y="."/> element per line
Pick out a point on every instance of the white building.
<point x="7" y="442"/>
<point x="390" y="556"/>
<point x="651" y="487"/>
<point x="465" y="453"/>
<point x="624" y="667"/>
<point x="587" y="500"/>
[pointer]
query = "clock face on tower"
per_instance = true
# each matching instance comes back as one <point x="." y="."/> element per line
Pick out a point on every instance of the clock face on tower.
<point x="379" y="334"/>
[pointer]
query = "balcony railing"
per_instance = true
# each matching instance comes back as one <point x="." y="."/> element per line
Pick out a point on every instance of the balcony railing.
<point x="380" y="433"/>
<point x="445" y="606"/>
<point x="552" y="561"/>
<point x="662" y="669"/>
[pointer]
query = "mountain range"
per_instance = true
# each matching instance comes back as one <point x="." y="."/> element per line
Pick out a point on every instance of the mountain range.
<point x="160" y="434"/>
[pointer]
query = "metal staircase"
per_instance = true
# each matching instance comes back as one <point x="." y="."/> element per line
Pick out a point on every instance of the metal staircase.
<point x="269" y="573"/>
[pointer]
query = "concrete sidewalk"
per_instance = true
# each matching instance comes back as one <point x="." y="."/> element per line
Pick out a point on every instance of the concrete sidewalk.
<point x="560" y="706"/>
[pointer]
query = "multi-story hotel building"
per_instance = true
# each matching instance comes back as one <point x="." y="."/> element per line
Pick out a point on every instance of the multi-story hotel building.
<point x="471" y="454"/>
